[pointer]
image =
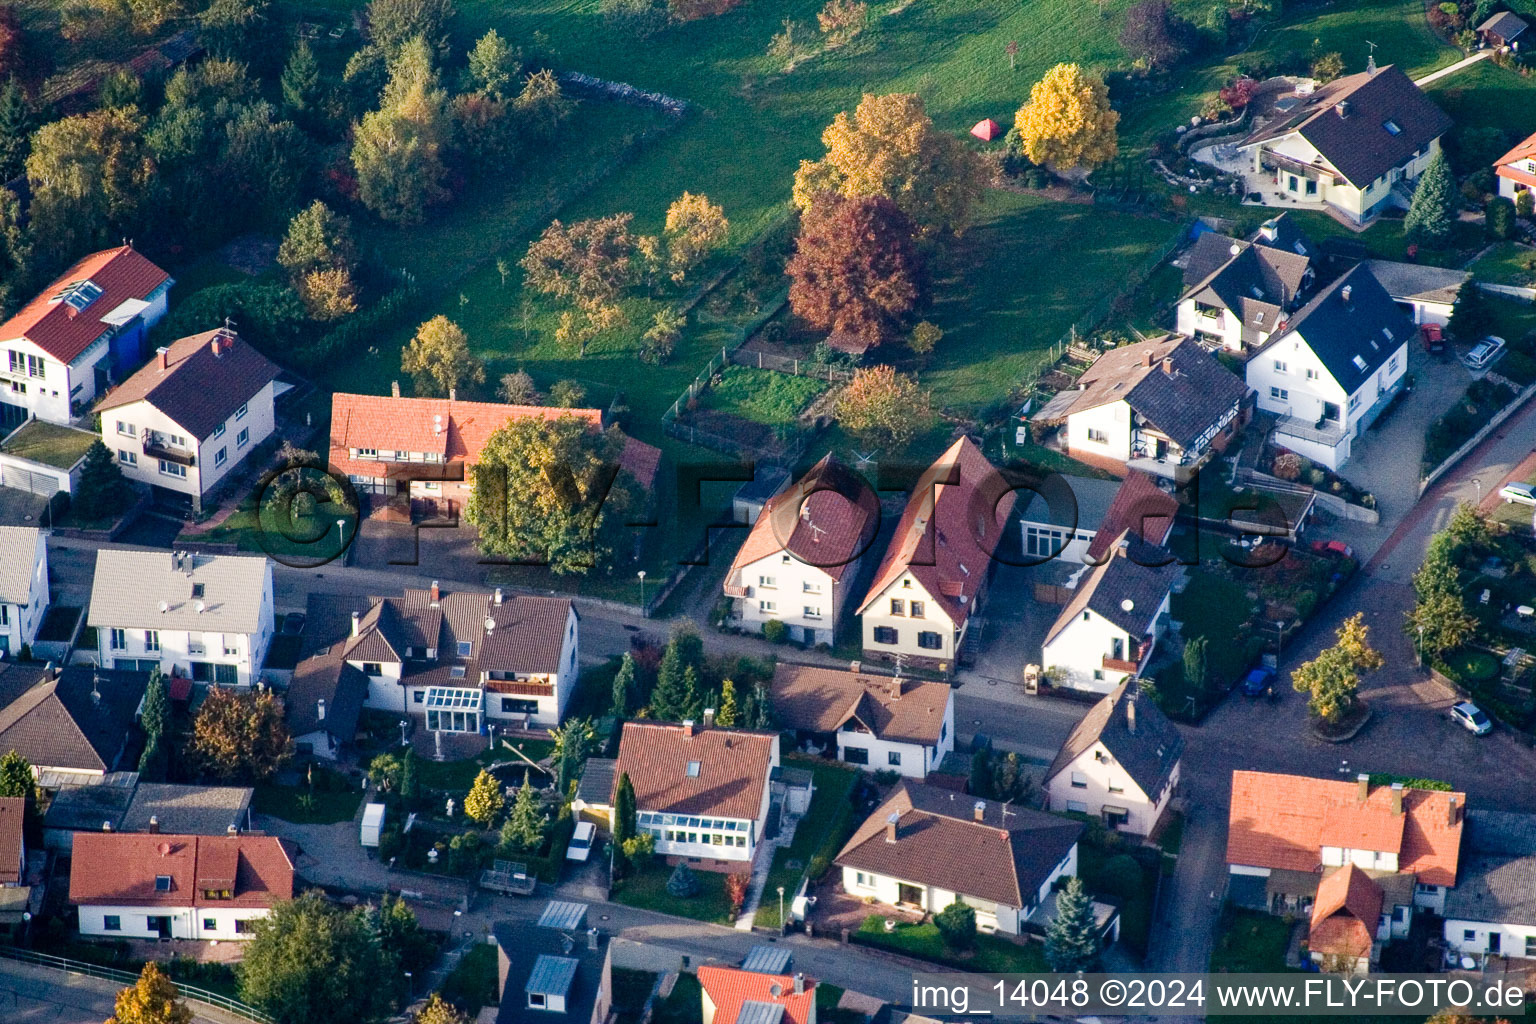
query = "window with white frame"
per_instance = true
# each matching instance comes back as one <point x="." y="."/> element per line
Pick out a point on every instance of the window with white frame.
<point x="218" y="432"/>
<point x="1280" y="394"/>
<point x="1281" y="367"/>
<point x="168" y="468"/>
<point x="1097" y="436"/>
<point x="240" y="412"/>
<point x="242" y="438"/>
<point x="812" y="611"/>
<point x="127" y="458"/>
<point x="767" y="606"/>
<point x="152" y="640"/>
<point x="220" y="457"/>
<point x="118" y="638"/>
<point x="127" y="429"/>
<point x="768" y="582"/>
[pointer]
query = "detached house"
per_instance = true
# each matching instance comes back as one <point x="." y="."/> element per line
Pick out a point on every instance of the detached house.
<point x="1356" y="858"/>
<point x="881" y="723"/>
<point x="926" y="847"/>
<point x="1334" y="368"/>
<point x="558" y="971"/>
<point x="1239" y="293"/>
<point x="189" y="416"/>
<point x="1110" y="626"/>
<point x="934" y="575"/>
<point x="154" y="886"/>
<point x="73" y="725"/>
<point x="1163" y="406"/>
<point x="1120" y="763"/>
<point x="1351" y="143"/>
<point x="732" y="995"/>
<point x="702" y="792"/>
<point x="84" y="330"/>
<point x="203" y="617"/>
<point x="23" y="586"/>
<point x="456" y="661"/>
<point x="1516" y="170"/>
<point x="1492" y="909"/>
<point x="806" y="542"/>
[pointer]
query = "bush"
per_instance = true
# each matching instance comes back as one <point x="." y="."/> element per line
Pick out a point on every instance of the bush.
<point x="683" y="884"/>
<point x="775" y="631"/>
<point x="1518" y="366"/>
<point x="1500" y="217"/>
<point x="957" y="925"/>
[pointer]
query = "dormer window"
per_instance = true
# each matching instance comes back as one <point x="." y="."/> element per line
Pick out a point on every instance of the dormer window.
<point x="367" y="453"/>
<point x="1392" y="127"/>
<point x="162" y="883"/>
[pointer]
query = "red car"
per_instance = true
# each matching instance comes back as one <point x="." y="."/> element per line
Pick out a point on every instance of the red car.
<point x="1332" y="549"/>
<point x="1433" y="337"/>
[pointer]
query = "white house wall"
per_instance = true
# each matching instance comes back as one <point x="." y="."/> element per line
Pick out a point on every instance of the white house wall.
<point x="1113" y="421"/>
<point x="1078" y="651"/>
<point x="186" y="922"/>
<point x="906" y="588"/>
<point x="1106" y="782"/>
<point x="790" y="597"/>
<point x="1227" y="329"/>
<point x="916" y="760"/>
<point x="205" y="473"/>
<point x="1512" y="937"/>
<point x="22" y="621"/>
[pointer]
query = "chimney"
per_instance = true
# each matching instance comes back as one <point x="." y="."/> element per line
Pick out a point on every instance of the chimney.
<point x="1452" y="812"/>
<point x="216" y="345"/>
<point x="1149" y="358"/>
<point x="1397" y="798"/>
<point x="1341" y="108"/>
<point x="232" y="829"/>
<point x="979" y="811"/>
<point x="855" y="666"/>
<point x="394" y="389"/>
<point x="799" y="983"/>
<point x="1363" y="792"/>
<point x="453" y="394"/>
<point x="162" y="357"/>
<point x="496" y="598"/>
<point x="106" y="826"/>
<point x="154" y="824"/>
<point x="320" y="709"/>
<point x="1168" y="366"/>
<point x="890" y="826"/>
<point x="1344" y="295"/>
<point x="1269" y="231"/>
<point x="709" y="717"/>
<point x="436" y="594"/>
<point x="1130" y="714"/>
<point x="592" y="938"/>
<point x="688" y="728"/>
<point x="356" y="623"/>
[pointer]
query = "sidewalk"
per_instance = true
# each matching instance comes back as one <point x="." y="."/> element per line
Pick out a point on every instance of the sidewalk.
<point x="1463" y="63"/>
<point x="29" y="993"/>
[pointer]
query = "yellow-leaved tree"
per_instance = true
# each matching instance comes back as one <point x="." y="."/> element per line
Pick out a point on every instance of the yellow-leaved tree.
<point x="1067" y="122"/>
<point x="889" y="147"/>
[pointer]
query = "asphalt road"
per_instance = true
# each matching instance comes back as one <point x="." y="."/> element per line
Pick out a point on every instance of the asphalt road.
<point x="34" y="995"/>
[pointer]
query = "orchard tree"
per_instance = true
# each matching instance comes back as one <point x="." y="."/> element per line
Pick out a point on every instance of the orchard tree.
<point x="882" y="407"/>
<point x="1332" y="679"/>
<point x="541" y="106"/>
<point x="695" y="228"/>
<point x="889" y="148"/>
<point x="925" y="335"/>
<point x="855" y="270"/>
<point x="567" y="394"/>
<point x="1157" y="36"/>
<point x="397" y="150"/>
<point x="1432" y="212"/>
<point x="517" y="388"/>
<point x="484" y="801"/>
<point x="438" y="358"/>
<point x="1068" y="121"/>
<point x="152" y="999"/>
<point x="240" y="736"/>
<point x="393" y="24"/>
<point x="589" y="262"/>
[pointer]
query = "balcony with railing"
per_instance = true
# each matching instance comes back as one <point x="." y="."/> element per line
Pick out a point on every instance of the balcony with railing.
<point x="158" y="447"/>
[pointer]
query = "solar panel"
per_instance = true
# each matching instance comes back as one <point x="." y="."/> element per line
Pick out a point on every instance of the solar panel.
<point x="563" y="915"/>
<point x="767" y="960"/>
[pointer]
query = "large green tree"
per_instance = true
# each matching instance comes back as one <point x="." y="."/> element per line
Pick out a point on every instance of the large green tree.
<point x="676" y="695"/>
<point x="156" y="723"/>
<point x="311" y="961"/>
<point x="91" y="177"/>
<point x="624" y="687"/>
<point x="492" y="65"/>
<point x="550" y="492"/>
<point x="1432" y="213"/>
<point x="439" y="360"/>
<point x="1072" y="939"/>
<point x="483" y="802"/>
<point x="1439" y="620"/>
<point x="526" y="824"/>
<point x="625" y="827"/>
<point x="16" y="776"/>
<point x="1332" y="679"/>
<point x="102" y="492"/>
<point x="398" y="149"/>
<point x="15" y="129"/>
<point x="301" y="81"/>
<point x="393" y="24"/>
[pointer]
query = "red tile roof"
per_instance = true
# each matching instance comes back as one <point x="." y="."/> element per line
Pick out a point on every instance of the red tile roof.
<point x="1139" y="506"/>
<point x="728" y="987"/>
<point x="966" y="502"/>
<point x="120" y="869"/>
<point x="12" y="811"/>
<point x="1526" y="150"/>
<point x="56" y="328"/>
<point x="826" y="519"/>
<point x="1284" y="821"/>
<point x="456" y="430"/>
<point x="1345" y="914"/>
<point x="732" y="777"/>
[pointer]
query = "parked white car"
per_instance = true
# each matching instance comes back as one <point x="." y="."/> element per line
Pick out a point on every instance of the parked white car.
<point x="1471" y="718"/>
<point x="581" y="841"/>
<point x="1485" y="352"/>
<point x="1518" y="493"/>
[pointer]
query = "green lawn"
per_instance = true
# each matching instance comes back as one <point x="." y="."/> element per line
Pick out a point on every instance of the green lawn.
<point x="762" y="396"/>
<point x="1250" y="942"/>
<point x="646" y="888"/>
<point x="303" y="806"/>
<point x="49" y="444"/>
<point x="1486" y="95"/>
<point x="993" y="955"/>
<point x="455" y="777"/>
<point x="1506" y="263"/>
<point x="684" y="1006"/>
<point x="822" y="831"/>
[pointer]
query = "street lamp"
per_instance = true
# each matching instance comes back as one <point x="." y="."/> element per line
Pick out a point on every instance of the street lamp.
<point x="405" y="723"/>
<point x="641" y="574"/>
<point x="1421" y="646"/>
<point x="341" y="526"/>
<point x="781" y="910"/>
<point x="1479" y="485"/>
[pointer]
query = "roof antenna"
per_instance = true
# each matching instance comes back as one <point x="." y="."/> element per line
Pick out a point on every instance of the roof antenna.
<point x="1370" y="62"/>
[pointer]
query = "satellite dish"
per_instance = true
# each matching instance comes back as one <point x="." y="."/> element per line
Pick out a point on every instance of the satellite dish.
<point x="164" y="607"/>
<point x="1127" y="605"/>
<point x="490" y="623"/>
<point x="201" y="607"/>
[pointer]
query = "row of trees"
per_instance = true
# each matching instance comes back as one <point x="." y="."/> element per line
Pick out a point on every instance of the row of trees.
<point x="683" y="683"/>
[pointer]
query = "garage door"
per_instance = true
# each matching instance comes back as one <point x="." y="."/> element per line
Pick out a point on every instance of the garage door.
<point x="21" y="479"/>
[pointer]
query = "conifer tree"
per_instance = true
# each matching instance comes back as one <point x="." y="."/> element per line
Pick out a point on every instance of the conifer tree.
<point x="1433" y="209"/>
<point x="1072" y="938"/>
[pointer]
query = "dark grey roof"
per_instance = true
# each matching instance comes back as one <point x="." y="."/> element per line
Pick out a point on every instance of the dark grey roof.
<point x="597" y="778"/>
<point x="767" y="960"/>
<point x="1257" y="282"/>
<point x="1139" y="575"/>
<point x="326" y="677"/>
<point x="1281" y="232"/>
<point x="1090" y="500"/>
<point x="522" y="948"/>
<point x="1148" y="755"/>
<point x="1495" y="889"/>
<point x="1417" y="281"/>
<point x="1192" y="392"/>
<point x="1360" y="142"/>
<point x="188" y="810"/>
<point x="1369" y="326"/>
<point x="1205" y="256"/>
<point x="1507" y="833"/>
<point x="87" y="808"/>
<point x="1507" y="25"/>
<point x="58" y="723"/>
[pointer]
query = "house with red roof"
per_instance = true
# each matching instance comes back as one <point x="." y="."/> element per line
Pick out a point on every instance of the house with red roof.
<point x="731" y="995"/>
<point x="149" y="885"/>
<point x="1516" y="170"/>
<point x="1356" y="857"/>
<point x="935" y="572"/>
<point x="803" y="550"/>
<point x="85" y="330"/>
<point x="189" y="416"/>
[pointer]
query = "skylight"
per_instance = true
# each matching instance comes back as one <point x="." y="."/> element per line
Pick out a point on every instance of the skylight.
<point x="79" y="294"/>
<point x="456" y="672"/>
<point x="1392" y="127"/>
<point x="693" y="769"/>
<point x="1360" y="364"/>
<point x="162" y="883"/>
<point x="465" y="646"/>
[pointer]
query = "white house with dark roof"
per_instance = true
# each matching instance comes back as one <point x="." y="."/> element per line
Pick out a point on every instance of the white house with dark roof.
<point x="557" y="970"/>
<point x="1237" y="293"/>
<point x="1112" y="623"/>
<point x="457" y="661"/>
<point x="925" y="847"/>
<point x="208" y="618"/>
<point x="1492" y="907"/>
<point x="807" y="541"/>
<point x="880" y="723"/>
<point x="1119" y="764"/>
<point x="23" y="586"/>
<point x="1334" y="369"/>
<point x="1426" y="294"/>
<point x="64" y="347"/>
<point x="1163" y="406"/>
<point x="1350" y="144"/>
<point x="190" y="415"/>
